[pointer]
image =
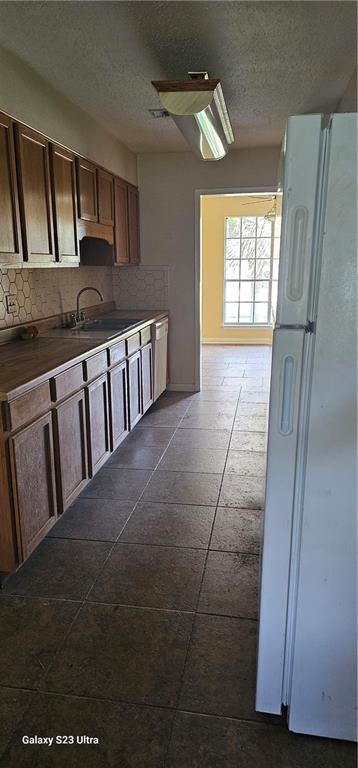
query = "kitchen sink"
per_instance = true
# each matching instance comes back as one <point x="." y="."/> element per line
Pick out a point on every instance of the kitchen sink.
<point x="114" y="325"/>
<point x="111" y="324"/>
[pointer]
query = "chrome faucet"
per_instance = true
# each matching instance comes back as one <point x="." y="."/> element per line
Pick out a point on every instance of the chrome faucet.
<point x="87" y="288"/>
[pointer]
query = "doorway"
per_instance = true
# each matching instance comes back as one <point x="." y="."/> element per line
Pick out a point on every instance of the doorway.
<point x="236" y="263"/>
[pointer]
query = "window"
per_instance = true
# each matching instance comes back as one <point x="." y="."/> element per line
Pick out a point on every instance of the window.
<point x="252" y="246"/>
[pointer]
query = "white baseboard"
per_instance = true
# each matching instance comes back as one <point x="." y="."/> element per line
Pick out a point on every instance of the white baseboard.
<point x="172" y="387"/>
<point x="246" y="343"/>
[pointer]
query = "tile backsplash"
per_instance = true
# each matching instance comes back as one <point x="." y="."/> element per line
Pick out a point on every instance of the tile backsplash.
<point x="142" y="287"/>
<point x="41" y="293"/>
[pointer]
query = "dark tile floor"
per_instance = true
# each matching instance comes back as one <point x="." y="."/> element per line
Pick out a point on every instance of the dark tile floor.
<point x="135" y="621"/>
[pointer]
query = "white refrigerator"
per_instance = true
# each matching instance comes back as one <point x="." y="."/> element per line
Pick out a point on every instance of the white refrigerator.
<point x="307" y="651"/>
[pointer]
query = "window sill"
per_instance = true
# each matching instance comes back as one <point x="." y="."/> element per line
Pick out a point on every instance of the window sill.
<point x="247" y="325"/>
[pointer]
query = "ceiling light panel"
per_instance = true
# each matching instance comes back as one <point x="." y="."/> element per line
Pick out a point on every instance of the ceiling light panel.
<point x="198" y="108"/>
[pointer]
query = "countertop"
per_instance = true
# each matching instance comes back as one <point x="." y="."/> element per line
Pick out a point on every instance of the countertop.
<point x="24" y="364"/>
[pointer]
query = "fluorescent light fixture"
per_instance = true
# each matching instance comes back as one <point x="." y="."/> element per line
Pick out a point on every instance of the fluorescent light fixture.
<point x="198" y="108"/>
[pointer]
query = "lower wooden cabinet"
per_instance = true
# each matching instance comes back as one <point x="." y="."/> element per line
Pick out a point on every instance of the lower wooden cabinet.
<point x="33" y="482"/>
<point x="135" y="388"/>
<point x="71" y="448"/>
<point x="98" y="423"/>
<point x="118" y="401"/>
<point x="44" y="466"/>
<point x="147" y="377"/>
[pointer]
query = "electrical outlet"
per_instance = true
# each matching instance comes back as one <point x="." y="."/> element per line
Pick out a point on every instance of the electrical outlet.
<point x="11" y="304"/>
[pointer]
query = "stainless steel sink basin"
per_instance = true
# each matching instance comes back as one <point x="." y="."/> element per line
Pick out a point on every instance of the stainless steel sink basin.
<point x="111" y="324"/>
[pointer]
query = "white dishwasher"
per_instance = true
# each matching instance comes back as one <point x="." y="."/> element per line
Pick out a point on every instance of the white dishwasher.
<point x="160" y="354"/>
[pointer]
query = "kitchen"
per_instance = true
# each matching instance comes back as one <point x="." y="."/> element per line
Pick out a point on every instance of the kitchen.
<point x="128" y="608"/>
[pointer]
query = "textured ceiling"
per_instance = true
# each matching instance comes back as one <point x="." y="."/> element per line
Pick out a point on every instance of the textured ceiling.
<point x="274" y="59"/>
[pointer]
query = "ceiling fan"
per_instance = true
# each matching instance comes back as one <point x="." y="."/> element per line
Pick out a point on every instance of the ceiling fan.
<point x="272" y="212"/>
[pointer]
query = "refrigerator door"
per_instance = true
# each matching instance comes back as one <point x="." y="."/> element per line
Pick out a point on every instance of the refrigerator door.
<point x="304" y="153"/>
<point x="324" y="669"/>
<point x="287" y="370"/>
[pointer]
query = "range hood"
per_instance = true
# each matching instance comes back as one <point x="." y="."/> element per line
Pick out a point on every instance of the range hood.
<point x="198" y="108"/>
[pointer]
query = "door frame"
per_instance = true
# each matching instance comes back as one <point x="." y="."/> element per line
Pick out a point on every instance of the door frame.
<point x="199" y="193"/>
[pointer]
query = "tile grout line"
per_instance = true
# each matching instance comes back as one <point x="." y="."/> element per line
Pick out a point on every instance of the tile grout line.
<point x="196" y="612"/>
<point x="84" y="600"/>
<point x="189" y="645"/>
<point x="57" y="694"/>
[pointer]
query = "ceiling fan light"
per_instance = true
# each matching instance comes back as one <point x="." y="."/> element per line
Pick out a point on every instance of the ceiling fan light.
<point x="198" y="108"/>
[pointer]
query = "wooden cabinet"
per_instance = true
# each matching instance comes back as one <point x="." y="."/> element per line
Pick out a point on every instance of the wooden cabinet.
<point x="10" y="234"/>
<point x="121" y="244"/>
<point x="63" y="177"/>
<point x="56" y="206"/>
<point x="147" y="377"/>
<point x="71" y="448"/>
<point x="118" y="398"/>
<point x="134" y="388"/>
<point x="133" y="225"/>
<point x="98" y="423"/>
<point x="105" y="198"/>
<point x="79" y="415"/>
<point x="33" y="483"/>
<point x="87" y="190"/>
<point x="32" y="152"/>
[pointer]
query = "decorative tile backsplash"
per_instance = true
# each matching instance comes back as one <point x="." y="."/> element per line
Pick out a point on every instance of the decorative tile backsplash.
<point x="41" y="293"/>
<point x="141" y="287"/>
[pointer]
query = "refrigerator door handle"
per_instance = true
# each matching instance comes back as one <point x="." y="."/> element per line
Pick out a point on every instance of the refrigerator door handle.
<point x="297" y="253"/>
<point x="287" y="388"/>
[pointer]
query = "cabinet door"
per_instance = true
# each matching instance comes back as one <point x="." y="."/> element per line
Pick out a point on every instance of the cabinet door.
<point x="133" y="225"/>
<point x="98" y="425"/>
<point x="33" y="482"/>
<point x="10" y="236"/>
<point x="63" y="177"/>
<point x="121" y="248"/>
<point x="35" y="196"/>
<point x="105" y="198"/>
<point x="134" y="388"/>
<point x="118" y="404"/>
<point x="87" y="190"/>
<point x="71" y="448"/>
<point x="147" y="376"/>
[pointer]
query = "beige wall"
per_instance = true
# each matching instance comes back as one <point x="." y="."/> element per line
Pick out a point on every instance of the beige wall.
<point x="348" y="102"/>
<point x="26" y="96"/>
<point x="167" y="187"/>
<point x="214" y="209"/>
<point x="42" y="292"/>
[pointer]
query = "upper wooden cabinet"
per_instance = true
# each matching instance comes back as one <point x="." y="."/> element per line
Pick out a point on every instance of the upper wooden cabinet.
<point x="87" y="190"/>
<point x="10" y="235"/>
<point x="32" y="151"/>
<point x="58" y="208"/>
<point x="133" y="225"/>
<point x="121" y="250"/>
<point x="105" y="198"/>
<point x="63" y="176"/>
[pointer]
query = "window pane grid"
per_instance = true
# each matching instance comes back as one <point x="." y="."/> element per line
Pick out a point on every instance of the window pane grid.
<point x="250" y="270"/>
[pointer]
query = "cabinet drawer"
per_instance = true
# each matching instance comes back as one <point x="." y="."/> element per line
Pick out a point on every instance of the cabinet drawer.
<point x="145" y="336"/>
<point x="133" y="343"/>
<point x="117" y="353"/>
<point x="67" y="382"/>
<point x="27" y="407"/>
<point x="95" y="365"/>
